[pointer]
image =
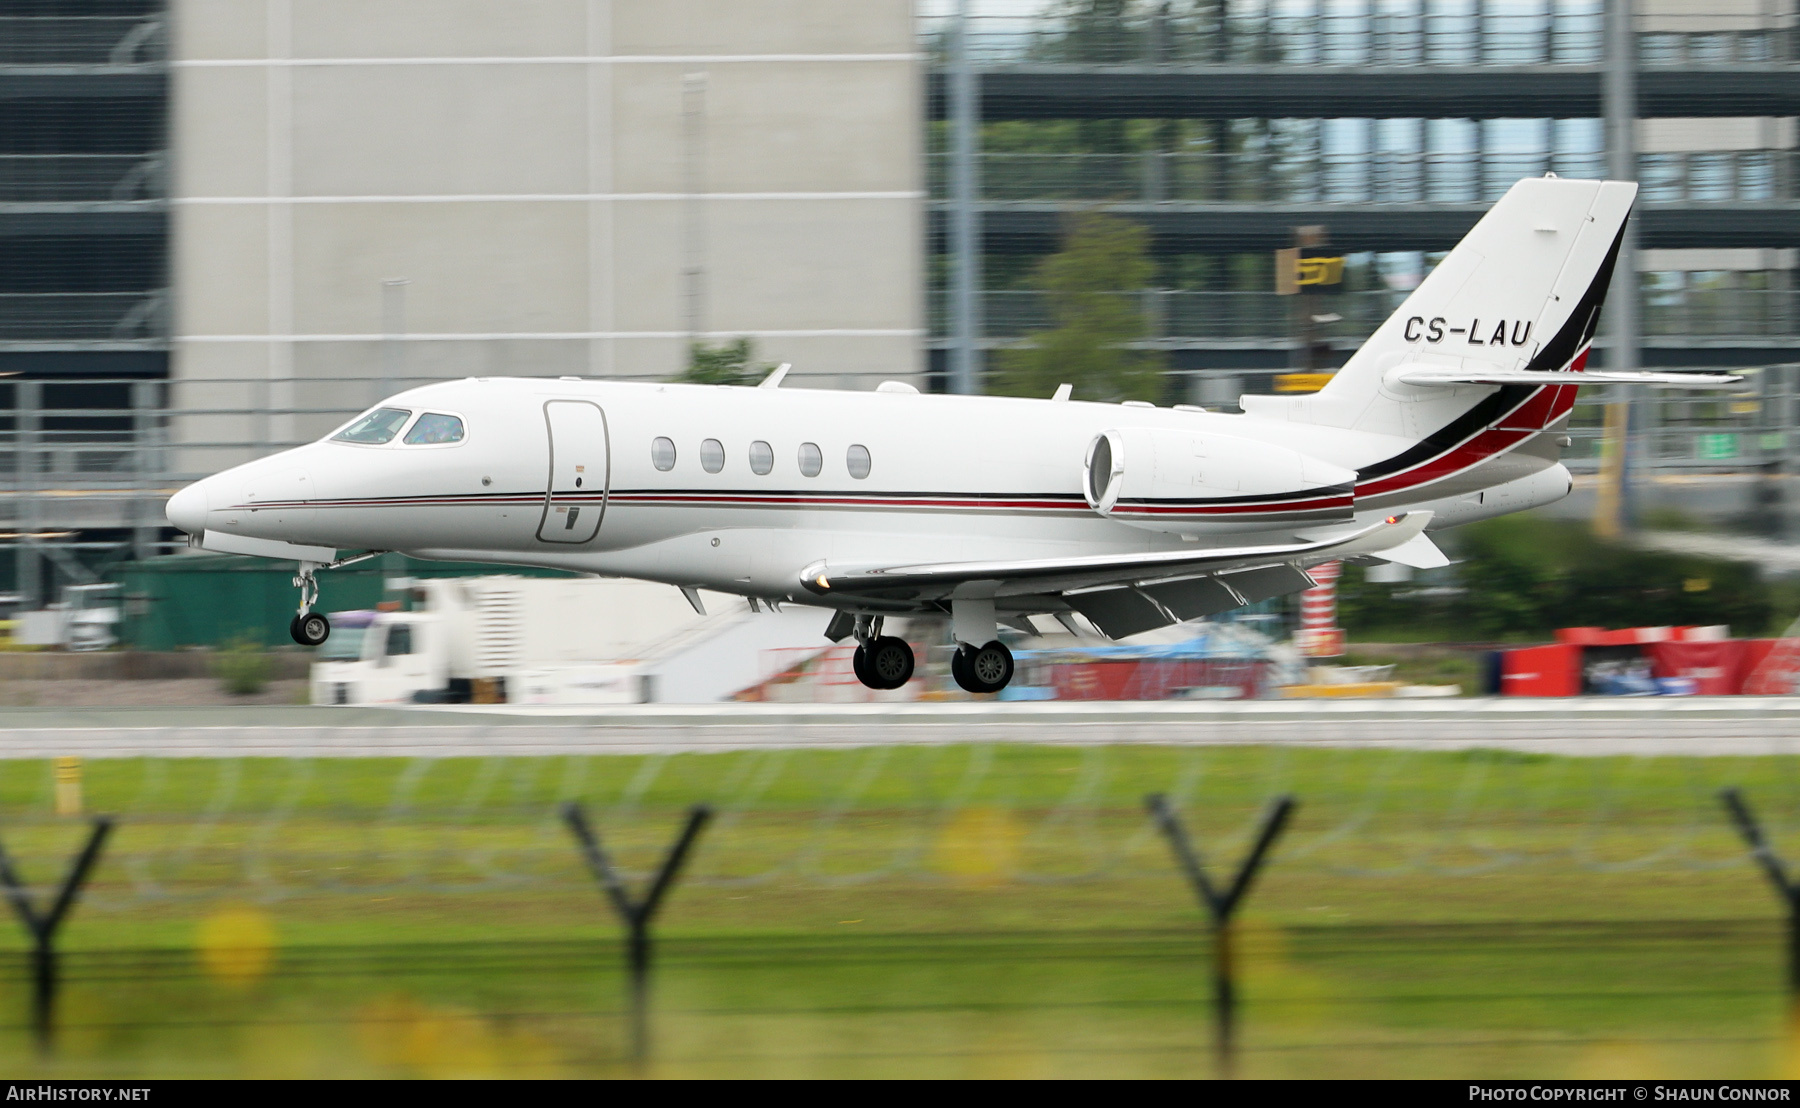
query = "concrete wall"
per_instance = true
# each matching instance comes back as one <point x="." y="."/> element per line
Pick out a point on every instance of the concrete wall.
<point x="564" y="186"/>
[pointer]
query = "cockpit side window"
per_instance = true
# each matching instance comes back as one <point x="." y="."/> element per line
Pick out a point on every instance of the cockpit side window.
<point x="435" y="429"/>
<point x="378" y="427"/>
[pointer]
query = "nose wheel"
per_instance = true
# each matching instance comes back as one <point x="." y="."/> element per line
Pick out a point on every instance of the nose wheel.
<point x="982" y="669"/>
<point x="308" y="628"/>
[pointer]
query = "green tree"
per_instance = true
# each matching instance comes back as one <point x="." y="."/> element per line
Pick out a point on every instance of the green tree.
<point x="730" y="363"/>
<point x="1090" y="286"/>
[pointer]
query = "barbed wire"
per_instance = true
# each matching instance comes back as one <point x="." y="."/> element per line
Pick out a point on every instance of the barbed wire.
<point x="275" y="829"/>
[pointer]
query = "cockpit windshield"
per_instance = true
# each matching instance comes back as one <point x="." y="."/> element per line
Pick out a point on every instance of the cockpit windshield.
<point x="435" y="429"/>
<point x="379" y="426"/>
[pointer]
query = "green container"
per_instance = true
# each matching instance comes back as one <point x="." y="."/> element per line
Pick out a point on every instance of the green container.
<point x="1718" y="447"/>
<point x="187" y="600"/>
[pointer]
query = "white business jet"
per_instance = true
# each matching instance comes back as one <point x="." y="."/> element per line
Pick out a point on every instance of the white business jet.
<point x="987" y="509"/>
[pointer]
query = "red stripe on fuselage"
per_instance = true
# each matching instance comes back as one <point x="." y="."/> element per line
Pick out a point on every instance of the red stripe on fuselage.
<point x="1546" y="402"/>
<point x="1336" y="502"/>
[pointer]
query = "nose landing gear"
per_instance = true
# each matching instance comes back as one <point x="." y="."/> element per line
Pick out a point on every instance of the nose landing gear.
<point x="308" y="628"/>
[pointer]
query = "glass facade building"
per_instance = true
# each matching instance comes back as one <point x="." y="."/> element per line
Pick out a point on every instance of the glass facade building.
<point x="1222" y="126"/>
<point x="83" y="188"/>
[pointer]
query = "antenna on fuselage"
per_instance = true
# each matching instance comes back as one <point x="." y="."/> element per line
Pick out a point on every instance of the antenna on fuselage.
<point x="773" y="380"/>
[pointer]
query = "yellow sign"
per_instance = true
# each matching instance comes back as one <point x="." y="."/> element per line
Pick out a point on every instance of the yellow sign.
<point x="68" y="786"/>
<point x="1320" y="271"/>
<point x="1301" y="382"/>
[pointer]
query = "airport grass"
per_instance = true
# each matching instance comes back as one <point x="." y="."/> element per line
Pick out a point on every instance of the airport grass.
<point x="953" y="911"/>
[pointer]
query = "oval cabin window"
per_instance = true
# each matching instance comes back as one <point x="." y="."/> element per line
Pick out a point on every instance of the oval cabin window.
<point x="712" y="455"/>
<point x="812" y="460"/>
<point x="858" y="461"/>
<point x="662" y="453"/>
<point x="762" y="457"/>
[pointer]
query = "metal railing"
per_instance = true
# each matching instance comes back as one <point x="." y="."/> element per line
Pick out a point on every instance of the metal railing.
<point x="1274" y="36"/>
<point x="1554" y="33"/>
<point x="111" y="40"/>
<point x="1297" y="175"/>
<point x="1736" y="175"/>
<point x="29" y="178"/>
<point x="1755" y="425"/>
<point x="1740" y="312"/>
<point x="1181" y="315"/>
<point x="86" y="466"/>
<point x="84" y="316"/>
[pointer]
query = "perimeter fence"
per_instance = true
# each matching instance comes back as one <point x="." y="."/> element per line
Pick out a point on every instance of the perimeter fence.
<point x="275" y="829"/>
<point x="961" y="909"/>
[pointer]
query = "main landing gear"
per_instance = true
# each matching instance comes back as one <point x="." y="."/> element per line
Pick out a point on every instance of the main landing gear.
<point x="881" y="661"/>
<point x="978" y="669"/>
<point x="982" y="669"/>
<point x="886" y="662"/>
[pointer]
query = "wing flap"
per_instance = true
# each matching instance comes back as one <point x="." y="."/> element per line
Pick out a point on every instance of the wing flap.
<point x="1119" y="612"/>
<point x="1193" y="598"/>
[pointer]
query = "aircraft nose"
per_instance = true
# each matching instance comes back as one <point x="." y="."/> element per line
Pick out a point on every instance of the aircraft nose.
<point x="187" y="508"/>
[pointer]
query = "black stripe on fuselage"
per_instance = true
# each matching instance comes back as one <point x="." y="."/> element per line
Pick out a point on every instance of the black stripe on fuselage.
<point x="752" y="497"/>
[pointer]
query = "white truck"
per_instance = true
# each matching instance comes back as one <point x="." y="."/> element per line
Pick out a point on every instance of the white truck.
<point x="558" y="641"/>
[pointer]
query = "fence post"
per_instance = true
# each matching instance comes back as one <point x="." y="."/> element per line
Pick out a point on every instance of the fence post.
<point x="636" y="915"/>
<point x="42" y="928"/>
<point x="28" y="399"/>
<point x="1222" y="906"/>
<point x="1764" y="853"/>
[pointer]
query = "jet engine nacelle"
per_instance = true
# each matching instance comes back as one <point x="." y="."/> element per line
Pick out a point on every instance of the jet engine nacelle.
<point x="1184" y="482"/>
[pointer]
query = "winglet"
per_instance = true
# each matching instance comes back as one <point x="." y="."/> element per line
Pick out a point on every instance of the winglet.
<point x="773" y="380"/>
<point x="1418" y="552"/>
<point x="1063" y="392"/>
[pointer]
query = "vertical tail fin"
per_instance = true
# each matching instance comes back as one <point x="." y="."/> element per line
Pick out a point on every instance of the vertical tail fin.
<point x="1522" y="290"/>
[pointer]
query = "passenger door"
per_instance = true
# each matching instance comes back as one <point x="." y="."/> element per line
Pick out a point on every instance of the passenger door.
<point x="580" y="471"/>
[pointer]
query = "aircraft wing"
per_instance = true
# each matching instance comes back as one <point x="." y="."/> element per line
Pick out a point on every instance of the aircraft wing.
<point x="1040" y="576"/>
<point x="1443" y="375"/>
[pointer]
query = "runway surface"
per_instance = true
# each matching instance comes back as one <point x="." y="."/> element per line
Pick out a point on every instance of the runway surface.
<point x="1589" y="727"/>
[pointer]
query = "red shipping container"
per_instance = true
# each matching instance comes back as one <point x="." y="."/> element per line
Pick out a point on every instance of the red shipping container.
<point x="1717" y="668"/>
<point x="1756" y="652"/>
<point x="1553" y="670"/>
<point x="1151" y="679"/>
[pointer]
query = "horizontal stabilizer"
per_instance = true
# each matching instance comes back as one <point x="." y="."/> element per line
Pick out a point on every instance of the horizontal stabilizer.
<point x="1443" y="375"/>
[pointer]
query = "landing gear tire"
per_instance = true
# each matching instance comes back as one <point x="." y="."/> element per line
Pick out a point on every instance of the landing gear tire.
<point x="885" y="663"/>
<point x="985" y="669"/>
<point x="309" y="628"/>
